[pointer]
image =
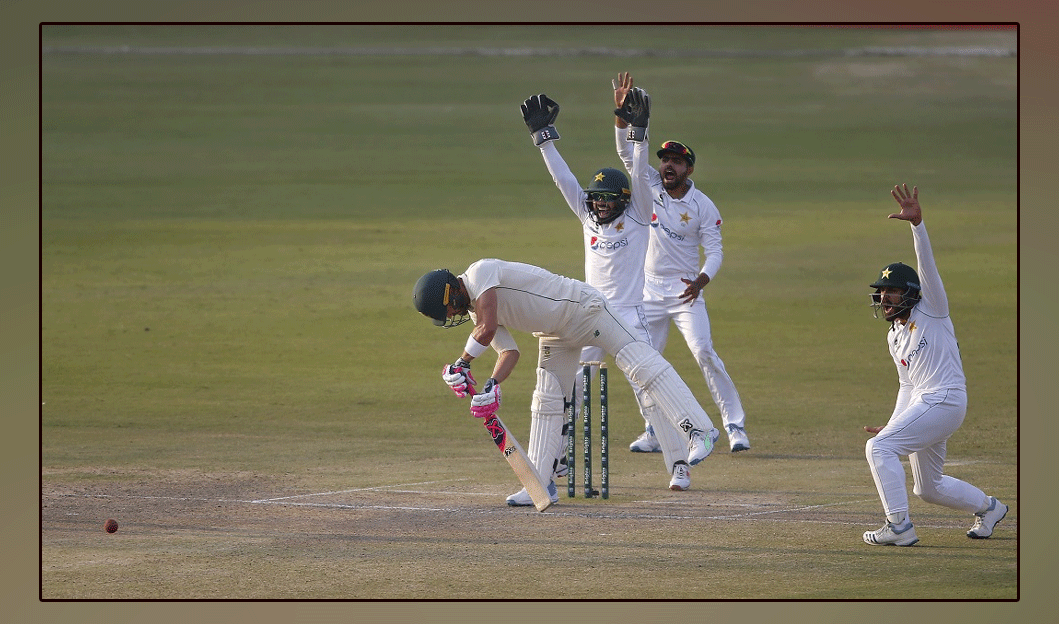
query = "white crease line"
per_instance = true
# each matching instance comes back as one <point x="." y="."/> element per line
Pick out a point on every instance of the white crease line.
<point x="368" y="489"/>
<point x="580" y="512"/>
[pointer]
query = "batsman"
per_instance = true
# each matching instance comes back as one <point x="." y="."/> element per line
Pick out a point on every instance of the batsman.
<point x="565" y="315"/>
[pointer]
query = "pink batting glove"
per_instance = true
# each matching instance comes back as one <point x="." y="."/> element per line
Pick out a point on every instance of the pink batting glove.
<point x="488" y="402"/>
<point x="459" y="378"/>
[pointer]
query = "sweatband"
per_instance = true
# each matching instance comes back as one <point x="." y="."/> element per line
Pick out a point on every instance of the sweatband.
<point x="474" y="348"/>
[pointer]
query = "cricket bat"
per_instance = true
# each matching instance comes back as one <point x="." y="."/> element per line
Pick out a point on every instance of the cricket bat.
<point x="524" y="469"/>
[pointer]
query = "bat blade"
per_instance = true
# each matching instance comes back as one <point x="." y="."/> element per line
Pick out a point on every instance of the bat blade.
<point x="518" y="460"/>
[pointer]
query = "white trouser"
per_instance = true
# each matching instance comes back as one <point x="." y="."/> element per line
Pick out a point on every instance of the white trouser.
<point x="601" y="331"/>
<point x="674" y="445"/>
<point x="662" y="304"/>
<point x="920" y="432"/>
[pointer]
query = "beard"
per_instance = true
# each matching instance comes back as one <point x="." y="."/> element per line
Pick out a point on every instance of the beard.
<point x="671" y="180"/>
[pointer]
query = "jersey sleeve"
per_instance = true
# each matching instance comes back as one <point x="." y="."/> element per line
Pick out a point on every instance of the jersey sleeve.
<point x="642" y="205"/>
<point x="710" y="239"/>
<point x="565" y="180"/>
<point x="933" y="298"/>
<point x="480" y="277"/>
<point x="904" y="397"/>
<point x="625" y="147"/>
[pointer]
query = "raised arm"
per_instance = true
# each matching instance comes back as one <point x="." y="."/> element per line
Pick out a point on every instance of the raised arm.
<point x="622" y="86"/>
<point x="933" y="300"/>
<point x="540" y="112"/>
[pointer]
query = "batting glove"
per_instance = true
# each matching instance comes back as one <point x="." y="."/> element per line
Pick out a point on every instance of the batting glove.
<point x="485" y="404"/>
<point x="636" y="111"/>
<point x="458" y="376"/>
<point x="539" y="113"/>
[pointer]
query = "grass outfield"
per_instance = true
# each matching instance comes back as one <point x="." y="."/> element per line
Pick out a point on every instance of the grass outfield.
<point x="229" y="243"/>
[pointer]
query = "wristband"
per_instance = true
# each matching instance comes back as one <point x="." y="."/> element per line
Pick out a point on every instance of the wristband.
<point x="474" y="348"/>
<point x="542" y="136"/>
<point x="637" y="134"/>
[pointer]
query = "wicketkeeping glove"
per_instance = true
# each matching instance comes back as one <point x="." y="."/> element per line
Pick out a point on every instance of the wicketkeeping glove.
<point x="636" y="111"/>
<point x="458" y="376"/>
<point x="487" y="402"/>
<point x="539" y="113"/>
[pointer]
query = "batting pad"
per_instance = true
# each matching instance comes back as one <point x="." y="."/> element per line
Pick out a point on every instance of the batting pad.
<point x="661" y="383"/>
<point x="673" y="441"/>
<point x="547" y="417"/>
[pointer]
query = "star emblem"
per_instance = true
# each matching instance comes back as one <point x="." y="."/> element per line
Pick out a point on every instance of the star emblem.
<point x="886" y="273"/>
<point x="912" y="326"/>
<point x="685" y="218"/>
<point x="620" y="226"/>
<point x="599" y="177"/>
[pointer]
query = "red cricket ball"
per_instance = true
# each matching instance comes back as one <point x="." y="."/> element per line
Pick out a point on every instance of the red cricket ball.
<point x="111" y="525"/>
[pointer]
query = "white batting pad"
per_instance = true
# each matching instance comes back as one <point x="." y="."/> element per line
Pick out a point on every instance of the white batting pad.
<point x="547" y="416"/>
<point x="660" y="381"/>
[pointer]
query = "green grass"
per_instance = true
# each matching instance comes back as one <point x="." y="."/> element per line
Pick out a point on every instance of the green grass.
<point x="229" y="245"/>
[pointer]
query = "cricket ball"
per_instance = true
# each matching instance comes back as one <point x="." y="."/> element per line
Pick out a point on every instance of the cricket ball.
<point x="111" y="525"/>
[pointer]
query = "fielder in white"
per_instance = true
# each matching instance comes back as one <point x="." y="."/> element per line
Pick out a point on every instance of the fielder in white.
<point x="931" y="400"/>
<point x="566" y="315"/>
<point x="615" y="223"/>
<point x="684" y="220"/>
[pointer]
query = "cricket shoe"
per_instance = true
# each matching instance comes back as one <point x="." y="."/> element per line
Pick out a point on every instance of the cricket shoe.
<point x="700" y="446"/>
<point x="681" y="477"/>
<point x="522" y="497"/>
<point x="985" y="522"/>
<point x="737" y="439"/>
<point x="646" y="443"/>
<point x="890" y="535"/>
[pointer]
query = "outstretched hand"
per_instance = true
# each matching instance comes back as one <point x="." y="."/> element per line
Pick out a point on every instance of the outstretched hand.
<point x="873" y="430"/>
<point x="636" y="108"/>
<point x="539" y="111"/>
<point x="909" y="202"/>
<point x="622" y="86"/>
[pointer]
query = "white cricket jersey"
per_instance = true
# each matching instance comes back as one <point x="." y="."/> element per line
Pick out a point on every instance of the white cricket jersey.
<point x="678" y="226"/>
<point x="615" y="251"/>
<point x="529" y="298"/>
<point x="925" y="349"/>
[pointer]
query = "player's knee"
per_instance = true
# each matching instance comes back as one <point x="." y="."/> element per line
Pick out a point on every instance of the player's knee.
<point x="640" y="363"/>
<point x="875" y="450"/>
<point x="927" y="492"/>
<point x="548" y="394"/>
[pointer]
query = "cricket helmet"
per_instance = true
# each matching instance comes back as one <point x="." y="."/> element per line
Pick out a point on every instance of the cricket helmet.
<point x="434" y="292"/>
<point x="608" y="185"/>
<point x="901" y="276"/>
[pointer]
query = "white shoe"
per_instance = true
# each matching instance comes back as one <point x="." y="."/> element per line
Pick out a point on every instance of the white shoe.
<point x="700" y="446"/>
<point x="737" y="439"/>
<point x="522" y="497"/>
<point x="646" y="443"/>
<point x="561" y="469"/>
<point x="681" y="477"/>
<point x="890" y="535"/>
<point x="985" y="522"/>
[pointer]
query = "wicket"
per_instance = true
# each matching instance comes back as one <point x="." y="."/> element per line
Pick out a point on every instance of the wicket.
<point x="586" y="438"/>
